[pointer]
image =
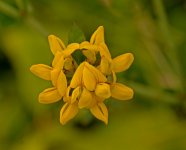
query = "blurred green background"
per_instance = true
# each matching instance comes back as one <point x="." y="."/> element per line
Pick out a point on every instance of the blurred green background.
<point x="154" y="31"/>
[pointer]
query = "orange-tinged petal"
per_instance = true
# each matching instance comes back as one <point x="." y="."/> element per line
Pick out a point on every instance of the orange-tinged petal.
<point x="89" y="79"/>
<point x="85" y="99"/>
<point x="62" y="83"/>
<point x="121" y="92"/>
<point x="103" y="90"/>
<point x="77" y="77"/>
<point x="75" y="94"/>
<point x="55" y="43"/>
<point x="42" y="71"/>
<point x="68" y="112"/>
<point x="100" y="112"/>
<point x="49" y="95"/>
<point x="98" y="36"/>
<point x="122" y="62"/>
<point x="98" y="75"/>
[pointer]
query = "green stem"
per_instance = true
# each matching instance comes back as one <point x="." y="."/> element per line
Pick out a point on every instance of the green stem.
<point x="154" y="93"/>
<point x="9" y="10"/>
<point x="32" y="22"/>
<point x="154" y="57"/>
<point x="15" y="13"/>
<point x="165" y="30"/>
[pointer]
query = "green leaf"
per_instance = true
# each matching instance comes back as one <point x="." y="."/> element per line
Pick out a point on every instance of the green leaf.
<point x="78" y="57"/>
<point x="76" y="35"/>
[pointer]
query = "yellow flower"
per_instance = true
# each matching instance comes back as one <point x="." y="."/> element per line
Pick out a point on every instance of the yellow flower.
<point x="86" y="85"/>
<point x="58" y="78"/>
<point x="96" y="44"/>
<point x="109" y="66"/>
<point x="58" y="48"/>
<point x="62" y="61"/>
<point x="86" y="80"/>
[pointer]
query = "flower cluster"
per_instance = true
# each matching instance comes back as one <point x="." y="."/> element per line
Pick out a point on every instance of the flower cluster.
<point x="88" y="84"/>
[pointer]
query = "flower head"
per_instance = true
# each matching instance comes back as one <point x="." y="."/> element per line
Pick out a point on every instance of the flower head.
<point x="91" y="83"/>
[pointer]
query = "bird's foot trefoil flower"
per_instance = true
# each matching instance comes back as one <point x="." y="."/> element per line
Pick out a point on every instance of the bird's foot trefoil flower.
<point x="87" y="85"/>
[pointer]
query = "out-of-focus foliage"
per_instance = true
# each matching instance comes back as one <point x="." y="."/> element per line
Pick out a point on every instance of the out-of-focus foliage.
<point x="154" y="31"/>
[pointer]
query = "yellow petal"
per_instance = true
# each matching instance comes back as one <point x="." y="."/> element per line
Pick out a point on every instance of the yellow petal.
<point x="77" y="77"/>
<point x="100" y="112"/>
<point x="121" y="92"/>
<point x="73" y="46"/>
<point x="59" y="65"/>
<point x="66" y="97"/>
<point x="70" y="49"/>
<point x="97" y="99"/>
<point x="62" y="83"/>
<point x="122" y="62"/>
<point x="98" y="75"/>
<point x="68" y="64"/>
<point x="105" y="66"/>
<point x="56" y="70"/>
<point x="89" y="79"/>
<point x="55" y="44"/>
<point x="85" y="99"/>
<point x="103" y="90"/>
<point x="68" y="112"/>
<point x="75" y="94"/>
<point x="90" y="55"/>
<point x="114" y="77"/>
<point x="104" y="51"/>
<point x="42" y="71"/>
<point x="49" y="95"/>
<point x="54" y="76"/>
<point x="86" y="45"/>
<point x="111" y="78"/>
<point x="98" y="36"/>
<point x="56" y="59"/>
